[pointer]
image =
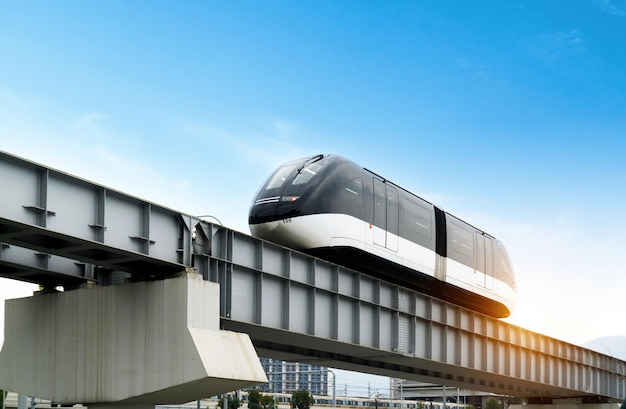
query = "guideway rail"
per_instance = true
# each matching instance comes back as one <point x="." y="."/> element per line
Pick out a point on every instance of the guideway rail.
<point x="60" y="230"/>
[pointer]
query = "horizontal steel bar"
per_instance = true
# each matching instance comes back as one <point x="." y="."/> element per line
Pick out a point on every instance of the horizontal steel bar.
<point x="49" y="271"/>
<point x="69" y="247"/>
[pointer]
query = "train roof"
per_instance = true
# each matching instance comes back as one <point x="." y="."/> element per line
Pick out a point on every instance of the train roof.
<point x="407" y="191"/>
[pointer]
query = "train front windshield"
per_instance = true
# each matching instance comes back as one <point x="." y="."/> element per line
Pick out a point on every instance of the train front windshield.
<point x="277" y="198"/>
<point x="280" y="177"/>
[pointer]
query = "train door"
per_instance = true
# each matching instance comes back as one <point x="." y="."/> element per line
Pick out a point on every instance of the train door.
<point x="385" y="215"/>
<point x="484" y="263"/>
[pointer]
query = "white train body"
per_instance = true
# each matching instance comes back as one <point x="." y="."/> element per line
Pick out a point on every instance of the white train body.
<point x="330" y="207"/>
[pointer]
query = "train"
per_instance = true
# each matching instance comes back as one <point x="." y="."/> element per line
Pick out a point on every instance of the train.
<point x="331" y="208"/>
<point x="347" y="402"/>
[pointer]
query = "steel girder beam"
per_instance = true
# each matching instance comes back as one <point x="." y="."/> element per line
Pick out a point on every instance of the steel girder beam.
<point x="54" y="213"/>
<point x="56" y="229"/>
<point x="303" y="309"/>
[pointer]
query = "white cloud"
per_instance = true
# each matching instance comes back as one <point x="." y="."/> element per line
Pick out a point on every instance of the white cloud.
<point x="610" y="7"/>
<point x="478" y="70"/>
<point x="269" y="144"/>
<point x="286" y="128"/>
<point x="556" y="46"/>
<point x="89" y="122"/>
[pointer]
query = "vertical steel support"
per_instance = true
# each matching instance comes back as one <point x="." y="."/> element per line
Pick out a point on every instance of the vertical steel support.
<point x="356" y="305"/>
<point x="258" y="283"/>
<point x="99" y="227"/>
<point x="443" y="342"/>
<point x="311" y="293"/>
<point x="286" y="290"/>
<point x="185" y="241"/>
<point x="146" y="209"/>
<point x="376" y="323"/>
<point x="429" y="330"/>
<point x="40" y="207"/>
<point x="395" y="324"/>
<point x="334" y="318"/>
<point x="42" y="198"/>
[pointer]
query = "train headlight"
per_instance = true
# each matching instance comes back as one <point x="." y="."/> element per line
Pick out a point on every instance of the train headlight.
<point x="290" y="198"/>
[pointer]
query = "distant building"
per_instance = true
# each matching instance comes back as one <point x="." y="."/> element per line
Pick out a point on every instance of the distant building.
<point x="288" y="377"/>
<point x="412" y="390"/>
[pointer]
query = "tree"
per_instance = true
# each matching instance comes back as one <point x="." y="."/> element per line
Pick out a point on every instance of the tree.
<point x="492" y="403"/>
<point x="267" y="402"/>
<point x="254" y="399"/>
<point x="301" y="399"/>
<point x="233" y="402"/>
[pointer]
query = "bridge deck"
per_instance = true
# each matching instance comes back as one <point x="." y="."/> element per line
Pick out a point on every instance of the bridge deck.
<point x="59" y="230"/>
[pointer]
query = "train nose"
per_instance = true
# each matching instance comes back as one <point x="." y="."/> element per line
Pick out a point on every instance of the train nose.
<point x="263" y="210"/>
<point x="264" y="230"/>
<point x="267" y="200"/>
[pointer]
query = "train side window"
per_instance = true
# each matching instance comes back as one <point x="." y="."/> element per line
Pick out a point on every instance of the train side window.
<point x="417" y="219"/>
<point x="353" y="192"/>
<point x="380" y="206"/>
<point x="392" y="210"/>
<point x="461" y="244"/>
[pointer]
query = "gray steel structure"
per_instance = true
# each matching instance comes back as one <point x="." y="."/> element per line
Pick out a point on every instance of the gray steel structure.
<point x="60" y="230"/>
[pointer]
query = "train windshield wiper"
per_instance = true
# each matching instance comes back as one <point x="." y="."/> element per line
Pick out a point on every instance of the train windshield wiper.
<point x="310" y="161"/>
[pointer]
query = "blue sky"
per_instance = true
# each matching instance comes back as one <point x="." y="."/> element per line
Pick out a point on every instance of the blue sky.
<point x="510" y="115"/>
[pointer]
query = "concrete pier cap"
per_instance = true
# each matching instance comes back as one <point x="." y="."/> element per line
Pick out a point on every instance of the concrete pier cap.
<point x="132" y="345"/>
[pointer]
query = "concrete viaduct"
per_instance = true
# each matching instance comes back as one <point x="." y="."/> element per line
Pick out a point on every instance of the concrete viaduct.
<point x="162" y="307"/>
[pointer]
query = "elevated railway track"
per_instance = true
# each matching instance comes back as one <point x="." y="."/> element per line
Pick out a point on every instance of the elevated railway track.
<point x="58" y="230"/>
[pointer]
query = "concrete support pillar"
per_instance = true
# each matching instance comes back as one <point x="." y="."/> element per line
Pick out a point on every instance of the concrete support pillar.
<point x="135" y="345"/>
